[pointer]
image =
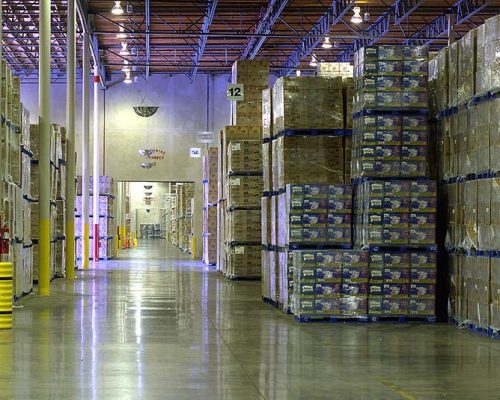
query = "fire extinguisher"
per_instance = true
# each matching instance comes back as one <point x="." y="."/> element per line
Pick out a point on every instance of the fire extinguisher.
<point x="4" y="239"/>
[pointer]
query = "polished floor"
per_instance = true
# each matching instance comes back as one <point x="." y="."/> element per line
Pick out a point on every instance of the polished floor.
<point x="156" y="325"/>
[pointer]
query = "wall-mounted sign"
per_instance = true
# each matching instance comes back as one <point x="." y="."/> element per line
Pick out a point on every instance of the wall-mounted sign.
<point x="195" y="152"/>
<point x="153" y="154"/>
<point x="235" y="91"/>
<point x="148" y="165"/>
<point x="205" y="137"/>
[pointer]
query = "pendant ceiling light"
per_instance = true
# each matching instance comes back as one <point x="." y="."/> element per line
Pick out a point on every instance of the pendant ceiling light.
<point x="121" y="34"/>
<point x="146" y="110"/>
<point x="148" y="187"/>
<point x="356" y="18"/>
<point x="126" y="67"/>
<point x="127" y="79"/>
<point x="314" y="61"/>
<point x="326" y="43"/>
<point x="117" y="8"/>
<point x="124" y="51"/>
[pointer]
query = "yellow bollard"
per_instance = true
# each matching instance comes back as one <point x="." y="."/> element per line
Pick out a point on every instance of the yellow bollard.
<point x="6" y="292"/>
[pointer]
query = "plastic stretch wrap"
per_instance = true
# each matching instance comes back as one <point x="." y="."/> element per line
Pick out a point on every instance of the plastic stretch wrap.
<point x="402" y="283"/>
<point x="244" y="155"/>
<point x="244" y="261"/>
<point x="488" y="62"/>
<point x="395" y="213"/>
<point x="300" y="159"/>
<point x="390" y="146"/>
<point x="265" y="287"/>
<point x="307" y="103"/>
<point x="330" y="283"/>
<point x="266" y="225"/>
<point x="348" y="93"/>
<point x="453" y="74"/>
<point x="313" y="214"/>
<point x="274" y="277"/>
<point x="495" y="294"/>
<point x="243" y="226"/>
<point x="267" y="113"/>
<point x="254" y="75"/>
<point x="442" y="79"/>
<point x="467" y="66"/>
<point x="390" y="76"/>
<point x="267" y="165"/>
<point x="244" y="191"/>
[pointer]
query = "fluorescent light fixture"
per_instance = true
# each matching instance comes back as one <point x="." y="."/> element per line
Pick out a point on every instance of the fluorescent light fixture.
<point x="127" y="79"/>
<point x="117" y="8"/>
<point x="356" y="18"/>
<point x="124" y="51"/>
<point x="314" y="61"/>
<point x="326" y="43"/>
<point x="121" y="34"/>
<point x="297" y="73"/>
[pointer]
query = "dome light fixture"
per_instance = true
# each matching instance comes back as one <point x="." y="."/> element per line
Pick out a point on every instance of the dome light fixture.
<point x="126" y="67"/>
<point x="314" y="61"/>
<point x="124" y="51"/>
<point x="356" y="18"/>
<point x="326" y="43"/>
<point x="117" y="8"/>
<point x="121" y="34"/>
<point x="366" y="16"/>
<point x="128" y="79"/>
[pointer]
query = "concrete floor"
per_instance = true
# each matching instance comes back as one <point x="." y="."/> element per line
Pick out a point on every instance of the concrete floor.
<point x="159" y="326"/>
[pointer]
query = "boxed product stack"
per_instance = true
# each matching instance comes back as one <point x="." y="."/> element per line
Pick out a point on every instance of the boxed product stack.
<point x="230" y="187"/>
<point x="107" y="227"/>
<point x="243" y="215"/>
<point x="210" y="206"/>
<point x="330" y="284"/>
<point x="488" y="46"/>
<point x="254" y="76"/>
<point x="395" y="207"/>
<point x="182" y="199"/>
<point x="335" y="69"/>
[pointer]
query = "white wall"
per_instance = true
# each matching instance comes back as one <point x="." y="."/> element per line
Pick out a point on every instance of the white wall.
<point x="182" y="113"/>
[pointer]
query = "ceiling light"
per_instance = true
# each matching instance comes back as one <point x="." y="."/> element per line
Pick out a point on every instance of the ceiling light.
<point x="127" y="79"/>
<point x="124" y="51"/>
<point x="121" y="34"/>
<point x="314" y="61"/>
<point x="326" y="43"/>
<point x="129" y="8"/>
<point x="366" y="16"/>
<point x="297" y="73"/>
<point x="117" y="8"/>
<point x="356" y="18"/>
<point x="336" y="44"/>
<point x="126" y="67"/>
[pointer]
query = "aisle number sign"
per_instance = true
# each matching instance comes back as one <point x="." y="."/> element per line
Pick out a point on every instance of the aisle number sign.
<point x="195" y="152"/>
<point x="235" y="91"/>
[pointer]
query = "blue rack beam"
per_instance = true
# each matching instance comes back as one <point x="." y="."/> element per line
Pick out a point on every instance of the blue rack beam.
<point x="404" y="8"/>
<point x="202" y="41"/>
<point x="333" y="15"/>
<point x="462" y="10"/>
<point x="264" y="27"/>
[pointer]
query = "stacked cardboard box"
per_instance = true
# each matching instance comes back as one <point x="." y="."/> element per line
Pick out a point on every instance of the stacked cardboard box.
<point x="307" y="103"/>
<point x="488" y="46"/>
<point x="335" y="69"/>
<point x="210" y="206"/>
<point x="395" y="213"/>
<point x="330" y="283"/>
<point x="254" y="75"/>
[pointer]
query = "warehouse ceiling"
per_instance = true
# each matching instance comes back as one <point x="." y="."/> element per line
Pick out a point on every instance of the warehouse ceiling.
<point x="190" y="37"/>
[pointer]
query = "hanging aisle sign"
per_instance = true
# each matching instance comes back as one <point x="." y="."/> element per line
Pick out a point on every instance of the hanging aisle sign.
<point x="195" y="152"/>
<point x="235" y="91"/>
<point x="205" y="137"/>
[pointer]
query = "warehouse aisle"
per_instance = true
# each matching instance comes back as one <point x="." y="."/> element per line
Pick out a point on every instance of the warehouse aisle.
<point x="160" y="326"/>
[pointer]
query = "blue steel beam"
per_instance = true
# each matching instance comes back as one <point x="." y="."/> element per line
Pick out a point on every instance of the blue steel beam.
<point x="462" y="10"/>
<point x="264" y="27"/>
<point x="332" y="16"/>
<point x="404" y="8"/>
<point x="376" y="30"/>
<point x="202" y="41"/>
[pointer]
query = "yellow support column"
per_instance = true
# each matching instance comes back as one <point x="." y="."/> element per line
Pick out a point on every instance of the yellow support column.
<point x="44" y="162"/>
<point x="6" y="293"/>
<point x="85" y="148"/>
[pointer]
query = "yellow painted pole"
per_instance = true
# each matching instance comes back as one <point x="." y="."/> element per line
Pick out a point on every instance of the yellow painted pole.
<point x="44" y="162"/>
<point x="70" y="157"/>
<point x="85" y="148"/>
<point x="6" y="293"/>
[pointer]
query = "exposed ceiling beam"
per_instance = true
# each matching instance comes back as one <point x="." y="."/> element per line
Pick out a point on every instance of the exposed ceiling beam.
<point x="404" y="8"/>
<point x="462" y="10"/>
<point x="202" y="41"/>
<point x="334" y="13"/>
<point x="264" y="27"/>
